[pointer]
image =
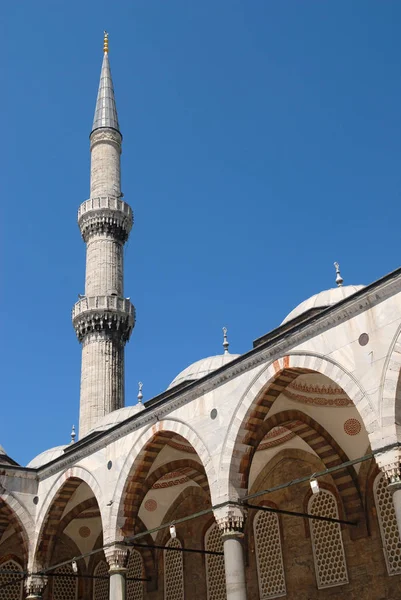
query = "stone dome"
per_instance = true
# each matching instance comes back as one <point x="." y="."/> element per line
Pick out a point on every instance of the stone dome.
<point x="116" y="416"/>
<point x="202" y="367"/>
<point x="47" y="456"/>
<point x="323" y="300"/>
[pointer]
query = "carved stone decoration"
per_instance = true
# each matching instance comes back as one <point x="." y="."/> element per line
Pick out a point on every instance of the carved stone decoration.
<point x="390" y="464"/>
<point x="103" y="313"/>
<point x="34" y="585"/>
<point x="105" y="215"/>
<point x="230" y="519"/>
<point x="117" y="557"/>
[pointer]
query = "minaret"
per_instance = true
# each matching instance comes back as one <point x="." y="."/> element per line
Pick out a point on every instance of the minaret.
<point x="103" y="319"/>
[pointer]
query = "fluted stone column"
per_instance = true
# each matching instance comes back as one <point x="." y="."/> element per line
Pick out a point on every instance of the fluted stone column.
<point x="231" y="522"/>
<point x="103" y="318"/>
<point x="34" y="586"/>
<point x="117" y="558"/>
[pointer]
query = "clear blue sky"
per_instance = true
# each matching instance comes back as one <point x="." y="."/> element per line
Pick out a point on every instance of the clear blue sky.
<point x="262" y="141"/>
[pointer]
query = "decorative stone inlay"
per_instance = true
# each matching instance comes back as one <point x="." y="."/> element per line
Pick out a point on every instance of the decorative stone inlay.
<point x="317" y="395"/>
<point x="230" y="519"/>
<point x="183" y="447"/>
<point x="117" y="557"/>
<point x="84" y="531"/>
<point x="171" y="479"/>
<point x="105" y="215"/>
<point x="150" y="505"/>
<point x="352" y="426"/>
<point x="103" y="313"/>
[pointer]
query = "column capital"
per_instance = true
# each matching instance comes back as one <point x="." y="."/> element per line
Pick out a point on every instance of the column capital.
<point x="390" y="463"/>
<point x="231" y="519"/>
<point x="117" y="557"/>
<point x="34" y="586"/>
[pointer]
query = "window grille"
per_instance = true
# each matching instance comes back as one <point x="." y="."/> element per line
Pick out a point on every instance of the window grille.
<point x="388" y="525"/>
<point x="135" y="569"/>
<point x="64" y="588"/>
<point x="215" y="572"/>
<point x="269" y="558"/>
<point x="101" y="586"/>
<point x="14" y="590"/>
<point x="327" y="542"/>
<point x="173" y="572"/>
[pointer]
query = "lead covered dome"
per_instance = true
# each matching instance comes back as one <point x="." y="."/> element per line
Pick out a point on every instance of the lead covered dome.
<point x="203" y="367"/>
<point x="326" y="298"/>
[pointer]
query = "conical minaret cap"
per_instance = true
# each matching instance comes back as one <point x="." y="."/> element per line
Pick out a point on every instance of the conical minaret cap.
<point x="105" y="111"/>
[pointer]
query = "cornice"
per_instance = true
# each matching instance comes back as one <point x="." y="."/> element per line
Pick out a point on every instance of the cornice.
<point x="278" y="345"/>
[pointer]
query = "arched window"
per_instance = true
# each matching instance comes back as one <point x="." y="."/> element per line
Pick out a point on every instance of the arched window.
<point x="101" y="586"/>
<point x="135" y="569"/>
<point x="215" y="573"/>
<point x="388" y="525"/>
<point x="14" y="590"/>
<point x="173" y="572"/>
<point x="65" y="586"/>
<point x="269" y="558"/>
<point x="327" y="542"/>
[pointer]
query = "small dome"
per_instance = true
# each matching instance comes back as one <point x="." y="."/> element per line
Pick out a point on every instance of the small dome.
<point x="47" y="456"/>
<point x="203" y="367"/>
<point x="2" y="451"/>
<point x="116" y="416"/>
<point x="323" y="300"/>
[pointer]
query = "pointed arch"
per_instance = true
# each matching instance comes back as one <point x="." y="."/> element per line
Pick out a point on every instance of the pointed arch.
<point x="391" y="394"/>
<point x="14" y="513"/>
<point x="324" y="445"/>
<point x="149" y="443"/>
<point x="255" y="404"/>
<point x="54" y="506"/>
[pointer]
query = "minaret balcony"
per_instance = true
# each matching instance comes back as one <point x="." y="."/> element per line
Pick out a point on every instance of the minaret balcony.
<point x="96" y="314"/>
<point x="105" y="215"/>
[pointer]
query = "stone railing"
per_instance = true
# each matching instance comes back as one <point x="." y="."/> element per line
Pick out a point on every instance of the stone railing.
<point x="103" y="313"/>
<point x="105" y="214"/>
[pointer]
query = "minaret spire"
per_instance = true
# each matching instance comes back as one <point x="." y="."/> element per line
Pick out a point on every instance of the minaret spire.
<point x="103" y="317"/>
<point x="105" y="111"/>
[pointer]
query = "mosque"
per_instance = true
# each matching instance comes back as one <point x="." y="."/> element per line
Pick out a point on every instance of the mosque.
<point x="271" y="474"/>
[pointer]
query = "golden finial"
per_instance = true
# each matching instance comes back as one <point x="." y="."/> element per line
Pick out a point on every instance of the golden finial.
<point x="106" y="42"/>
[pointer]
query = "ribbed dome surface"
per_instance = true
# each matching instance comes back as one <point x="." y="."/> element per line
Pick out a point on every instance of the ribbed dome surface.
<point x="47" y="456"/>
<point x="116" y="416"/>
<point x="202" y="367"/>
<point x="323" y="299"/>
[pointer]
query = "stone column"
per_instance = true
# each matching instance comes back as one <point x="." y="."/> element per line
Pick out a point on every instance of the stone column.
<point x="231" y="520"/>
<point x="117" y="558"/>
<point x="34" y="585"/>
<point x="390" y="464"/>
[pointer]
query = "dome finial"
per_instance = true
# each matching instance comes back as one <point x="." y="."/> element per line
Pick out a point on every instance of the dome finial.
<point x="339" y="279"/>
<point x="73" y="434"/>
<point x="106" y="42"/>
<point x="140" y="395"/>
<point x="225" y="341"/>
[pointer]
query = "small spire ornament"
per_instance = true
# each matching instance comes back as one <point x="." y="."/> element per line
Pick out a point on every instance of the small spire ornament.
<point x="73" y="434"/>
<point x="106" y="42"/>
<point x="140" y="395"/>
<point x="339" y="279"/>
<point x="225" y="341"/>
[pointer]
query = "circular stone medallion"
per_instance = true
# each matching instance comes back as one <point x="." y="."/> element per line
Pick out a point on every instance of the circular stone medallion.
<point x="150" y="505"/>
<point x="352" y="427"/>
<point x="84" y="532"/>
